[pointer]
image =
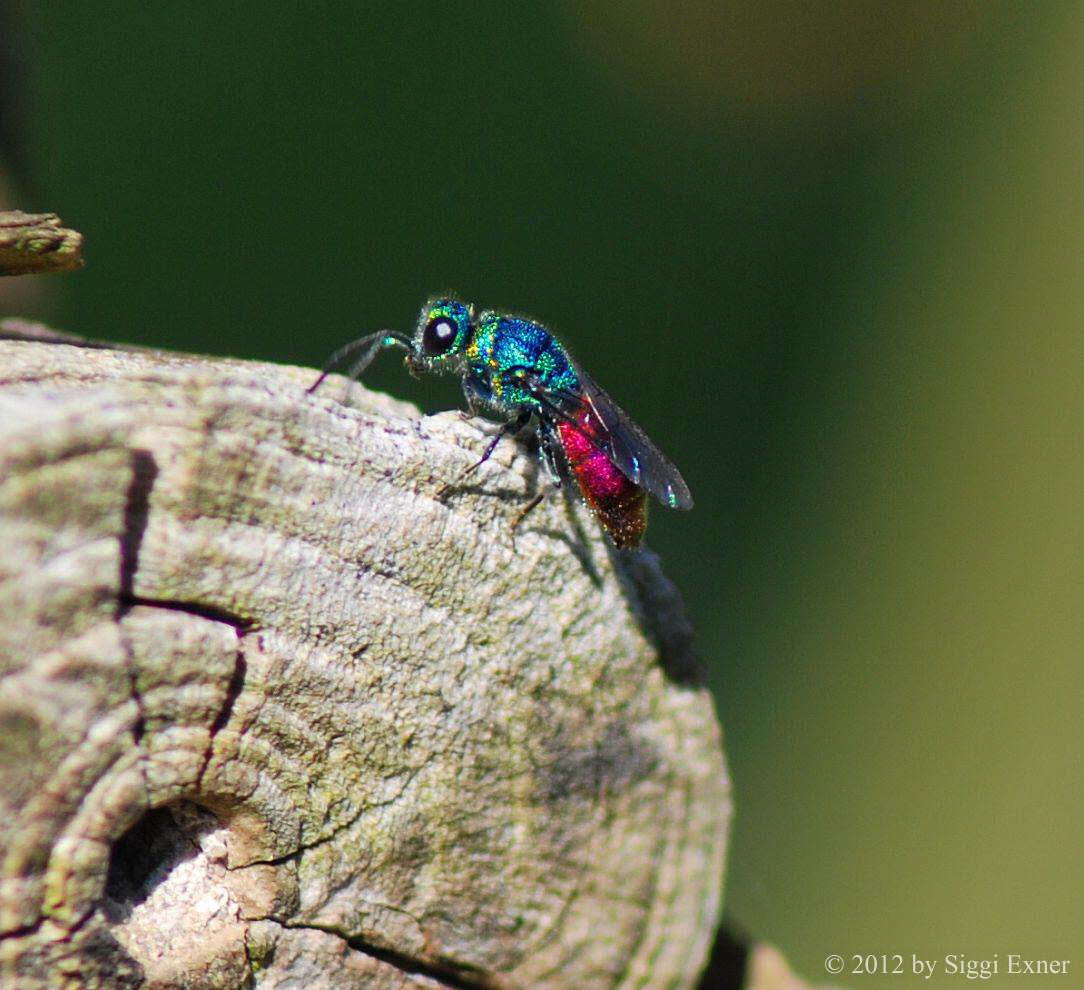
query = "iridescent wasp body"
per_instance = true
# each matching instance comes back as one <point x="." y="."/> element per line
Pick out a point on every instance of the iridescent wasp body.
<point x="517" y="369"/>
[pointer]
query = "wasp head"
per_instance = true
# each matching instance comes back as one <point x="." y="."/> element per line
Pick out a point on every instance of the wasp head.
<point x="443" y="332"/>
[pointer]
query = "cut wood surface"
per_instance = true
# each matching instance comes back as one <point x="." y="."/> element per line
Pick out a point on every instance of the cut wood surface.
<point x="272" y="714"/>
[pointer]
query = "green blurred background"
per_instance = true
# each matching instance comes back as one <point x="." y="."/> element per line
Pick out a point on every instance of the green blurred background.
<point x="829" y="255"/>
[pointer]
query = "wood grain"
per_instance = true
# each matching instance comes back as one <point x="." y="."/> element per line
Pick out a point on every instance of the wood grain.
<point x="272" y="714"/>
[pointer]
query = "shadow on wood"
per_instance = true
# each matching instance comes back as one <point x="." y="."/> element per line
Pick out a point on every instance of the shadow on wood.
<point x="271" y="713"/>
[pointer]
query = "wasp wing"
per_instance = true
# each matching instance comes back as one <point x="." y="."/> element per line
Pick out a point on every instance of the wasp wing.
<point x="624" y="443"/>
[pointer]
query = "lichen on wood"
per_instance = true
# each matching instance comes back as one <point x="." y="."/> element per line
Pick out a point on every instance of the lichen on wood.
<point x="271" y="712"/>
<point x="35" y="242"/>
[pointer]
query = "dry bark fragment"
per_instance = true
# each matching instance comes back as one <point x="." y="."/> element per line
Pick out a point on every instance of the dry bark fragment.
<point x="35" y="242"/>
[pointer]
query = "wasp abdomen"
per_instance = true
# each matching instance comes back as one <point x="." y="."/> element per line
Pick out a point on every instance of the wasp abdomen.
<point x="618" y="502"/>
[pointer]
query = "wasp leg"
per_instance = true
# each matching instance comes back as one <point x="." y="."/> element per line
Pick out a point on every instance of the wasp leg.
<point x="510" y="428"/>
<point x="547" y="454"/>
<point x="470" y="394"/>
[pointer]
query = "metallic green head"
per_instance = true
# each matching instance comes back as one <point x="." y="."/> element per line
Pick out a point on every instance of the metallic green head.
<point x="442" y="334"/>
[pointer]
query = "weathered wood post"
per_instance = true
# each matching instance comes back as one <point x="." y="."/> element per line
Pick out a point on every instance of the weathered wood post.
<point x="273" y="715"/>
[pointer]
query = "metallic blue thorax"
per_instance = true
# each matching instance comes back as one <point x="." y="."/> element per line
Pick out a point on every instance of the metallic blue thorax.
<point x="500" y="344"/>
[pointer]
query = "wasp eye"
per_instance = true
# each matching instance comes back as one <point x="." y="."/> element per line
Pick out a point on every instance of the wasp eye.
<point x="439" y="336"/>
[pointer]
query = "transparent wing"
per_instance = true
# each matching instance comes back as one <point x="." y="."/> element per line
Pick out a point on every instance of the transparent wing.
<point x="624" y="443"/>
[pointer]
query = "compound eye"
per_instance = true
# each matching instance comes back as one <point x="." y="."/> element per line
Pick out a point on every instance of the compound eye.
<point x="439" y="336"/>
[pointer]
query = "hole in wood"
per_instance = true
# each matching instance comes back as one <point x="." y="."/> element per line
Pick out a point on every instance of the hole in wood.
<point x="151" y="852"/>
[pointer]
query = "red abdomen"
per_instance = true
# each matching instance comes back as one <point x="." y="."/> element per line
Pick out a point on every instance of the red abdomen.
<point x="619" y="504"/>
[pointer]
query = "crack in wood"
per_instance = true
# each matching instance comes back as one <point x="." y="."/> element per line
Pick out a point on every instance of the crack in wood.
<point x="233" y="692"/>
<point x="333" y="834"/>
<point x="449" y="973"/>
<point x="136" y="513"/>
<point x="203" y="610"/>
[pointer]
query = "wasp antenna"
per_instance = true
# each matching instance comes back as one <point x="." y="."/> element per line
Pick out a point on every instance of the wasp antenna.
<point x="368" y="347"/>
